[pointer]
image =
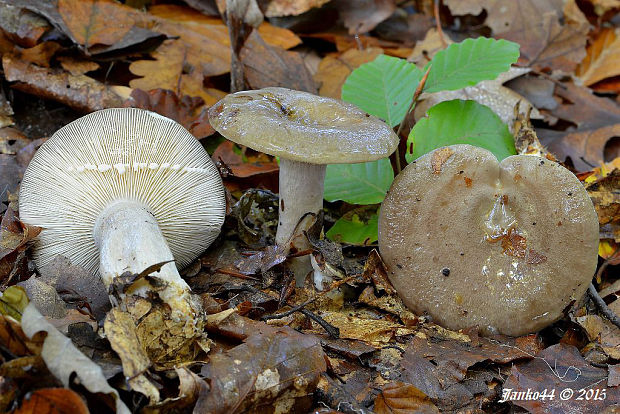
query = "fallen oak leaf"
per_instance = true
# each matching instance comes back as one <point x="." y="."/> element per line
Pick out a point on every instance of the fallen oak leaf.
<point x="188" y="111"/>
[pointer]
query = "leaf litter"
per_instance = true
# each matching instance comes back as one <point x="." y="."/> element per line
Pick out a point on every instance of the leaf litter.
<point x="272" y="346"/>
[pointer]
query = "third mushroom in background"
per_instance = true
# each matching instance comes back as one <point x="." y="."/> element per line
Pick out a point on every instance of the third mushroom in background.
<point x="504" y="246"/>
<point x="307" y="132"/>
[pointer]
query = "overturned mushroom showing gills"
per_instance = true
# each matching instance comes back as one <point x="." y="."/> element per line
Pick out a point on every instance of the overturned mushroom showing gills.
<point x="121" y="190"/>
<point x="307" y="132"/>
<point x="502" y="245"/>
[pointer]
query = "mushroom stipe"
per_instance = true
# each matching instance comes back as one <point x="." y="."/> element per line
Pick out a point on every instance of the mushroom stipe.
<point x="477" y="242"/>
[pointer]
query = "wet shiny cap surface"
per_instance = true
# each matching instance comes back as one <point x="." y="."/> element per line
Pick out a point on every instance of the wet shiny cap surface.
<point x="302" y="127"/>
<point x="475" y="242"/>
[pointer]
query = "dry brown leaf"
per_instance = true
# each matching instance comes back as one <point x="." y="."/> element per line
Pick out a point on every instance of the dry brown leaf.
<point x="334" y="70"/>
<point x="266" y="66"/>
<point x="357" y="325"/>
<point x="39" y="54"/>
<point x="361" y="16"/>
<point x="425" y="50"/>
<point x="560" y="367"/>
<point x="240" y="168"/>
<point x="76" y="66"/>
<point x="121" y="332"/>
<point x="277" y="368"/>
<point x="602" y="59"/>
<point x="52" y="401"/>
<point x="13" y="338"/>
<point x="273" y="35"/>
<point x="92" y="22"/>
<point x="188" y="111"/>
<point x="536" y="26"/>
<point x="14" y="238"/>
<point x="401" y="398"/>
<point x="63" y="359"/>
<point x="278" y="8"/>
<point x="164" y="72"/>
<point x="597" y="120"/>
<point x="603" y="6"/>
<point x="79" y="92"/>
<point x="22" y="26"/>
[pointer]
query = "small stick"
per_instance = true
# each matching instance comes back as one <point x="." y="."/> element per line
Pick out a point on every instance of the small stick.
<point x="598" y="300"/>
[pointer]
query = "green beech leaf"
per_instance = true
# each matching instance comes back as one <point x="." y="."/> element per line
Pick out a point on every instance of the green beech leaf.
<point x="364" y="183"/>
<point x="460" y="122"/>
<point x="469" y="62"/>
<point x="356" y="227"/>
<point x="383" y="88"/>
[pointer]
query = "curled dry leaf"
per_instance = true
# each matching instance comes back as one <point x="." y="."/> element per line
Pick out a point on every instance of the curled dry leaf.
<point x="240" y="168"/>
<point x="602" y="59"/>
<point x="14" y="237"/>
<point x="22" y="26"/>
<point x="560" y="367"/>
<point x="121" y="332"/>
<point x="63" y="358"/>
<point x="52" y="401"/>
<point x="606" y="199"/>
<point x="401" y="398"/>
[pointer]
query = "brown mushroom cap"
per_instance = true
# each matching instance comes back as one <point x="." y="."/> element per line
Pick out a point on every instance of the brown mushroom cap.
<point x="504" y="246"/>
<point x="302" y="127"/>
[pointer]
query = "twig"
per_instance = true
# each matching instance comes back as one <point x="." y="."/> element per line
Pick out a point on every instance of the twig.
<point x="438" y="23"/>
<point x="332" y="331"/>
<point x="598" y="300"/>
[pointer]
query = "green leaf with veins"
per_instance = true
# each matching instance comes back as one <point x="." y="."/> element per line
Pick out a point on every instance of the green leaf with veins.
<point x="460" y="122"/>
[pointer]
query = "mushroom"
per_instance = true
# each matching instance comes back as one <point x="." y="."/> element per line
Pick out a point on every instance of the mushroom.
<point x="121" y="190"/>
<point x="307" y="132"/>
<point x="502" y="245"/>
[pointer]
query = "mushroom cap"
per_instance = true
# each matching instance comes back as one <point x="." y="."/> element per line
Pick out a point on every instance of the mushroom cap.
<point x="502" y="245"/>
<point x="302" y="127"/>
<point x="121" y="154"/>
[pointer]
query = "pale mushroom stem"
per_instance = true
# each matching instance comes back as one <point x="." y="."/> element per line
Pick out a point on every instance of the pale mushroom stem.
<point x="301" y="192"/>
<point x="129" y="239"/>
